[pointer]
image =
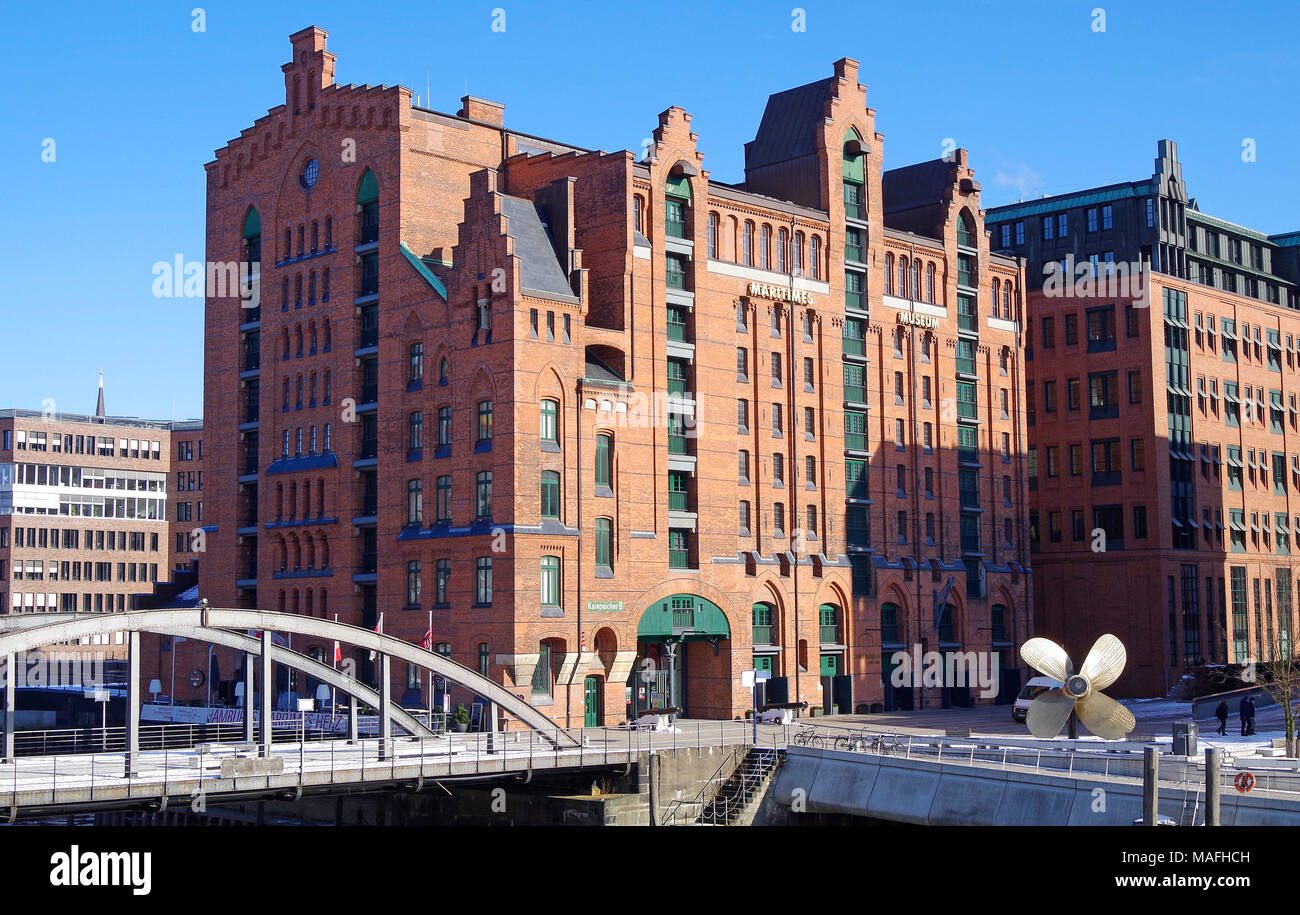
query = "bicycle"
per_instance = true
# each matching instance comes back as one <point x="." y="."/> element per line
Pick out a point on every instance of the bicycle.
<point x="808" y="737"/>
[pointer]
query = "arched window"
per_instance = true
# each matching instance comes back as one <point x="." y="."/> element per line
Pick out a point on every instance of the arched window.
<point x="604" y="543"/>
<point x="747" y="245"/>
<point x="550" y="494"/>
<point x="713" y="236"/>
<point x="815" y="257"/>
<point x="782" y="249"/>
<point x="324" y="557"/>
<point x="1006" y="300"/>
<point x="252" y="238"/>
<point x="797" y="251"/>
<point x="854" y="175"/>
<point x="890" y="630"/>
<point x="965" y="229"/>
<point x="889" y="274"/>
<point x="997" y="296"/>
<point x="328" y="335"/>
<point x="442" y="370"/>
<point x="929" y="282"/>
<point x="902" y="276"/>
<point x="916" y="279"/>
<point x="549" y="426"/>
<point x="765" y="247"/>
<point x="677" y="206"/>
<point x="828" y="622"/>
<point x="368" y="205"/>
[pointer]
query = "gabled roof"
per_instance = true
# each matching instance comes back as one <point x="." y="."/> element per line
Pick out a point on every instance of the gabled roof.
<point x="789" y="126"/>
<point x="540" y="273"/>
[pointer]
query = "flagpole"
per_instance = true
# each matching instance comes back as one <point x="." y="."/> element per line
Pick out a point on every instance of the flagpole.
<point x="334" y="662"/>
<point x="430" y="673"/>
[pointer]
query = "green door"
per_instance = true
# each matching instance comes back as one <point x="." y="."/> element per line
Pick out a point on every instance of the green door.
<point x="591" y="701"/>
<point x="830" y="665"/>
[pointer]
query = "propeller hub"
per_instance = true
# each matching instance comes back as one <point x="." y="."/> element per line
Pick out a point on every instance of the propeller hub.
<point x="1077" y="686"/>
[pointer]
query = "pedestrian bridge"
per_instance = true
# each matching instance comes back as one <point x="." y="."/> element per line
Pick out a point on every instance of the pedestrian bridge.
<point x="228" y="627"/>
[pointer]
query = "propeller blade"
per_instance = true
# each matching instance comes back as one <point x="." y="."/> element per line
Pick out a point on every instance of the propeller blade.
<point x="1046" y="657"/>
<point x="1105" y="662"/>
<point x="1104" y="716"/>
<point x="1048" y="713"/>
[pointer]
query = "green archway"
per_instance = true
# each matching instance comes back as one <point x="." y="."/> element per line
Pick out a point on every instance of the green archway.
<point x="682" y="616"/>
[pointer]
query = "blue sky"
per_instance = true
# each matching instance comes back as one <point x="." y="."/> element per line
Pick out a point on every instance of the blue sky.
<point x="136" y="101"/>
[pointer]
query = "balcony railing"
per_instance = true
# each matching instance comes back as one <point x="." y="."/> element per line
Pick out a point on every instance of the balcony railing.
<point x="967" y="410"/>
<point x="856" y="393"/>
<point x="965" y="365"/>
<point x="677" y="386"/>
<point x="683" y="618"/>
<point x="678" y="501"/>
<point x="677" y="444"/>
<point x="369" y="448"/>
<point x="250" y="315"/>
<point x="369" y="285"/>
<point x="967" y="322"/>
<point x="677" y="332"/>
<point x="970" y="543"/>
<point x="970" y="498"/>
<point x="829" y="635"/>
<point x="856" y="489"/>
<point x="854" y="346"/>
<point x="250" y="464"/>
<point x="855" y="441"/>
<point x="762" y="635"/>
<point x="679" y="559"/>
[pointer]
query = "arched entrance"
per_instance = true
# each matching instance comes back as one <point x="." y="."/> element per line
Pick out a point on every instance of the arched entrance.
<point x="680" y="653"/>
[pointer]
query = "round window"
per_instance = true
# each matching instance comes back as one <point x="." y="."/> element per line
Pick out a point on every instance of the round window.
<point x="310" y="171"/>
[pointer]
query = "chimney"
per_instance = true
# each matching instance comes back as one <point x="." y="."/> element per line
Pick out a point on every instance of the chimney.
<point x="478" y="109"/>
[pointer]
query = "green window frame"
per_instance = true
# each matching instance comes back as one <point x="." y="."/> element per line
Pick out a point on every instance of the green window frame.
<point x="604" y="543"/>
<point x="550" y="494"/>
<point x="550" y="581"/>
<point x="484" y="420"/>
<point x="549" y="423"/>
<point x="604" y="469"/>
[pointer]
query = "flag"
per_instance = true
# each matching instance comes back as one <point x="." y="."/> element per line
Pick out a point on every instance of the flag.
<point x="338" y="654"/>
<point x="427" y="642"/>
<point x="379" y="630"/>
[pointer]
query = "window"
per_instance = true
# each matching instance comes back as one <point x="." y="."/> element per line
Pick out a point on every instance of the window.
<point x="549" y="425"/>
<point x="1107" y="217"/>
<point x="415" y="364"/>
<point x="483" y="494"/>
<point x="742" y="471"/>
<point x="604" y="474"/>
<point x="1101" y="329"/>
<point x="483" y="581"/>
<point x="742" y="364"/>
<point x="776" y="370"/>
<point x="414" y="502"/>
<point x="443" y="504"/>
<point x="778" y="420"/>
<point x="1135" y="387"/>
<point x="550" y="581"/>
<point x="604" y="543"/>
<point x="550" y="494"/>
<point x="441" y="580"/>
<point x="444" y="427"/>
<point x="413" y="583"/>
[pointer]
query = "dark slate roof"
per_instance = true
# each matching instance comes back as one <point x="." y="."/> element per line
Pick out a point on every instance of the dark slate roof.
<point x="541" y="270"/>
<point x="789" y="125"/>
<point x="912" y="186"/>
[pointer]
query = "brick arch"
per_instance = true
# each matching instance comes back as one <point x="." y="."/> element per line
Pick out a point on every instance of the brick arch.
<point x="693" y="586"/>
<point x="481" y="383"/>
<point x="287" y="187"/>
<point x="767" y="590"/>
<point x="549" y="375"/>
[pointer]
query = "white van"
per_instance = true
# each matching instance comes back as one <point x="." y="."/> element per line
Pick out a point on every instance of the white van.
<point x="1031" y="691"/>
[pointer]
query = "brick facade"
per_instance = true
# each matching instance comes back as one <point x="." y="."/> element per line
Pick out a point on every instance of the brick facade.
<point x="479" y="277"/>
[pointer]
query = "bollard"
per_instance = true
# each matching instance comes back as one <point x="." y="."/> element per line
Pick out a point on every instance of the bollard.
<point x="1213" y="762"/>
<point x="1150" y="786"/>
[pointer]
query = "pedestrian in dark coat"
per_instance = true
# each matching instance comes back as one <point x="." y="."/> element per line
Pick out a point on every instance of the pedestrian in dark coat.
<point x="1222" y="714"/>
<point x="1250" y="719"/>
<point x="1243" y="711"/>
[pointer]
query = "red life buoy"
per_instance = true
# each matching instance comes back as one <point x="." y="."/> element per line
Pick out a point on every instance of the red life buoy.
<point x="1244" y="782"/>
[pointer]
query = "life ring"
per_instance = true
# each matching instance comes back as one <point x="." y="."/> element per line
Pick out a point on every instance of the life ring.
<point x="1244" y="782"/>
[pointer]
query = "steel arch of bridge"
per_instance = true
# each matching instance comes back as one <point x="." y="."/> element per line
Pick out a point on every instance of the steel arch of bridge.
<point x="24" y="633"/>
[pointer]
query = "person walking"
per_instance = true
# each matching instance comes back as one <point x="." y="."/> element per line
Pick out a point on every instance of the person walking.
<point x="1222" y="714"/>
<point x="1250" y="718"/>
<point x="1243" y="712"/>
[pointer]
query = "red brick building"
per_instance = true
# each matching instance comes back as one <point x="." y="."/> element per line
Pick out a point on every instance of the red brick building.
<point x="623" y="430"/>
<point x="1163" y="425"/>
